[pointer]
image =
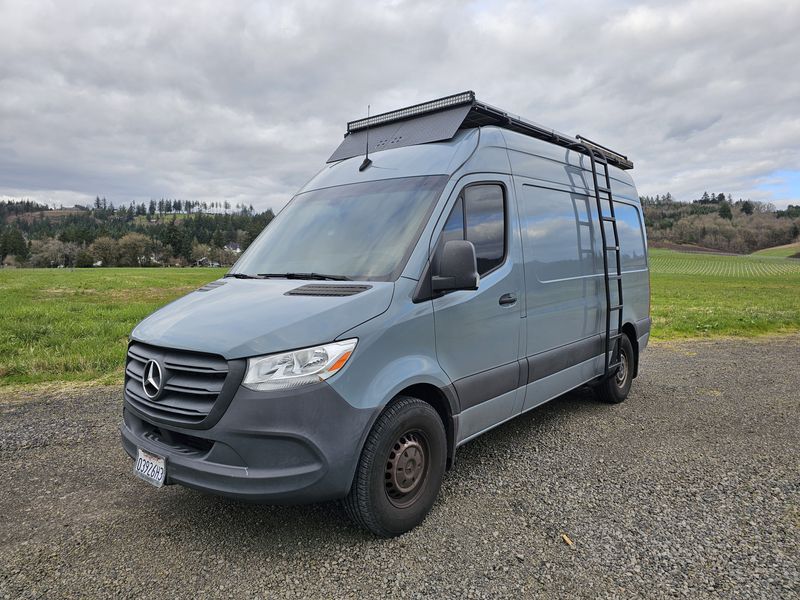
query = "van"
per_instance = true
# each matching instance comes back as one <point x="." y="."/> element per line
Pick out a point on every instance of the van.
<point x="451" y="267"/>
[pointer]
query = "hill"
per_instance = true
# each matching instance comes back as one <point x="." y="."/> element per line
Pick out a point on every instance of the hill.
<point x="785" y="251"/>
<point x="167" y="232"/>
<point x="717" y="222"/>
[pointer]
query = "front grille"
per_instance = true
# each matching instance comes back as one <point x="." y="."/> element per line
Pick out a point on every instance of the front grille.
<point x="191" y="383"/>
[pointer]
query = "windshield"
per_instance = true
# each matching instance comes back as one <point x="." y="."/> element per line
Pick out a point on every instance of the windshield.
<point x="358" y="231"/>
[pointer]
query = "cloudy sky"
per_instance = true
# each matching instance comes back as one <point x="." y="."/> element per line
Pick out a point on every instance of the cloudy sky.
<point x="243" y="101"/>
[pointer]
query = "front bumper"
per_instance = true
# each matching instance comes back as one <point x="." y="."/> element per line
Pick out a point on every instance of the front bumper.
<point x="293" y="446"/>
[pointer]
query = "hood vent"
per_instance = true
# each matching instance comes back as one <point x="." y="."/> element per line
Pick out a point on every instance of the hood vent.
<point x="211" y="286"/>
<point x="322" y="289"/>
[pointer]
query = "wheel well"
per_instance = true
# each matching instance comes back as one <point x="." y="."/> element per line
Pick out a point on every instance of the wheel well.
<point x="629" y="330"/>
<point x="436" y="398"/>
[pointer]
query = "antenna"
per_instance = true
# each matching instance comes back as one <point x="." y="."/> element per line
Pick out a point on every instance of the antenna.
<point x="367" y="162"/>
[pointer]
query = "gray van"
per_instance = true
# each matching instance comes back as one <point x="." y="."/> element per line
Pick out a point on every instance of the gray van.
<point x="451" y="267"/>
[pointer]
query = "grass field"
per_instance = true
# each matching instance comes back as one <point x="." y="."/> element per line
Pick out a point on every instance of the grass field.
<point x="698" y="295"/>
<point x="780" y="251"/>
<point x="63" y="325"/>
<point x="58" y="325"/>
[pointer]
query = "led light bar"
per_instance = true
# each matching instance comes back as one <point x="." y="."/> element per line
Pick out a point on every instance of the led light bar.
<point x="412" y="111"/>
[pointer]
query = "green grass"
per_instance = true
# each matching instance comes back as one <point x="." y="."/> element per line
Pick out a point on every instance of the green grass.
<point x="64" y="325"/>
<point x="699" y="295"/>
<point x="58" y="325"/>
<point x="780" y="251"/>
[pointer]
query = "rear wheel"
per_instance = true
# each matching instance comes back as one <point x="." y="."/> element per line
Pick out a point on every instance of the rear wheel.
<point x="400" y="470"/>
<point x="615" y="388"/>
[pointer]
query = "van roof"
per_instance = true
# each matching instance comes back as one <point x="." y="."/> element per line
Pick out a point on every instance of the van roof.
<point x="441" y="119"/>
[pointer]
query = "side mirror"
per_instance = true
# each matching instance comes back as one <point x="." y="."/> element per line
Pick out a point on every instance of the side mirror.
<point x="458" y="268"/>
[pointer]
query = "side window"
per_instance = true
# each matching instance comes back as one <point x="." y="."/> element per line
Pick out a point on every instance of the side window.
<point x="486" y="224"/>
<point x="631" y="241"/>
<point x="479" y="217"/>
<point x="559" y="233"/>
<point x="454" y="228"/>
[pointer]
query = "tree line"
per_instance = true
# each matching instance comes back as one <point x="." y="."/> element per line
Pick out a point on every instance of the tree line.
<point x="158" y="233"/>
<point x="719" y="222"/>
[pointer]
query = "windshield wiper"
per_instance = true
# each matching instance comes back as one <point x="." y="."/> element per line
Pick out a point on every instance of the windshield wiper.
<point x="320" y="276"/>
<point x="243" y="276"/>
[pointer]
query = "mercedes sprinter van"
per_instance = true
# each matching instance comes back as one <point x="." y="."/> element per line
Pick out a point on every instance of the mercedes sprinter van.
<point x="452" y="266"/>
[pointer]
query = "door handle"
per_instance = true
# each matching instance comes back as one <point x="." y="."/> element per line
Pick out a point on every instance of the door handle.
<point x="508" y="299"/>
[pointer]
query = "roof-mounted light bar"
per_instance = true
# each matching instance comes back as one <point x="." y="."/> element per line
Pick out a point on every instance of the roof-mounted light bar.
<point x="417" y="110"/>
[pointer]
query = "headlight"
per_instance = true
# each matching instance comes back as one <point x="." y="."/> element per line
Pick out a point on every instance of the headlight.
<point x="300" y="367"/>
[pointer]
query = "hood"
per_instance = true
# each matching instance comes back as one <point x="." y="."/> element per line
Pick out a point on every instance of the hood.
<point x="237" y="318"/>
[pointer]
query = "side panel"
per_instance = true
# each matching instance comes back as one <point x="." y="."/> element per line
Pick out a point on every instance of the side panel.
<point x="563" y="268"/>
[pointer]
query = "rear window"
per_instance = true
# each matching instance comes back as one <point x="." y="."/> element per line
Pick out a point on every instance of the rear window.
<point x="631" y="239"/>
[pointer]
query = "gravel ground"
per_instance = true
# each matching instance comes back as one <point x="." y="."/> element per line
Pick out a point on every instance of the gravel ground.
<point x="690" y="488"/>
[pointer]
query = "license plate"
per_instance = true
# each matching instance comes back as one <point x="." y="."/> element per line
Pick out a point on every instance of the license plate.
<point x="151" y="468"/>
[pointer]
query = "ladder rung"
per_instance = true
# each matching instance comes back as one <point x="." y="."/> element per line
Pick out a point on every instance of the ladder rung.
<point x="602" y="188"/>
<point x="614" y="276"/>
<point x="587" y="250"/>
<point x="585" y="223"/>
<point x="615" y="307"/>
<point x="610" y="219"/>
<point x="614" y="365"/>
<point x="616" y="336"/>
<point x="610" y="248"/>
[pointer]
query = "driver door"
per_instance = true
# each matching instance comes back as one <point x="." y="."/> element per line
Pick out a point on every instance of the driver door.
<point x="479" y="337"/>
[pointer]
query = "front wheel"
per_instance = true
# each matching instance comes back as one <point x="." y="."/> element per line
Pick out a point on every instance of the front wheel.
<point x="401" y="469"/>
<point x="614" y="389"/>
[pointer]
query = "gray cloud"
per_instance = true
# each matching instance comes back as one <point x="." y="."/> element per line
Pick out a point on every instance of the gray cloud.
<point x="244" y="101"/>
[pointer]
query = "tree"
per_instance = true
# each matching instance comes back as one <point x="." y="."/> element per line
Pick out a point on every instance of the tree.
<point x="218" y="239"/>
<point x="13" y="244"/>
<point x="747" y="207"/>
<point x="152" y="209"/>
<point x="105" y="249"/>
<point x="84" y="259"/>
<point x="132" y="250"/>
<point x="53" y="253"/>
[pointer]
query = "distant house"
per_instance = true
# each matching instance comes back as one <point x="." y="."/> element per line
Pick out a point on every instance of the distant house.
<point x="233" y="247"/>
<point x="205" y="262"/>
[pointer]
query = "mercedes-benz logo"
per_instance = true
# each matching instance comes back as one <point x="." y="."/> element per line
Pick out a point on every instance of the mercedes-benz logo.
<point x="151" y="379"/>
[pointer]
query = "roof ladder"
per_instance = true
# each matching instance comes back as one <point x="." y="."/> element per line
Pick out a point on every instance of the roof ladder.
<point x="613" y="273"/>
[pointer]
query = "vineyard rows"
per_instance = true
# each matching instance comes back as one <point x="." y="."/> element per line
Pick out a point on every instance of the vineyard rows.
<point x="722" y="266"/>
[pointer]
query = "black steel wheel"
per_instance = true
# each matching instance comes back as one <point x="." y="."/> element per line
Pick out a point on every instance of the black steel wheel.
<point x="401" y="469"/>
<point x="616" y="387"/>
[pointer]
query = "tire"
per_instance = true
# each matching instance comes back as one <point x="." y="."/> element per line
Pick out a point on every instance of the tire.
<point x="400" y="470"/>
<point x="615" y="388"/>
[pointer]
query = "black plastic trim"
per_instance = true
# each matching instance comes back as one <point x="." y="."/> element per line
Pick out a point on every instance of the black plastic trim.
<point x="552" y="361"/>
<point x="327" y="289"/>
<point x="480" y="387"/>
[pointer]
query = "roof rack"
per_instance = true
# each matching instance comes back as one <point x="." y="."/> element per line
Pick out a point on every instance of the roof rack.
<point x="440" y="119"/>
